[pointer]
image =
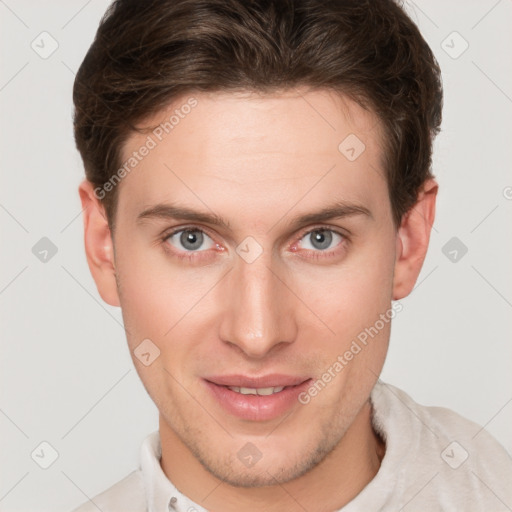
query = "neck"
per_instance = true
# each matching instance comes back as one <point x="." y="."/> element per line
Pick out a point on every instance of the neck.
<point x="329" y="486"/>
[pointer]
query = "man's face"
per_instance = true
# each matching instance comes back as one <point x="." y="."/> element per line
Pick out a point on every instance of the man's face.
<point x="260" y="296"/>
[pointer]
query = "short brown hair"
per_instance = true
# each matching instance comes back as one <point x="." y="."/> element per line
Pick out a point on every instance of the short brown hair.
<point x="147" y="53"/>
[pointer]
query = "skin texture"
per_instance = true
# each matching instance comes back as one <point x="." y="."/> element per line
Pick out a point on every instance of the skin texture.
<point x="259" y="162"/>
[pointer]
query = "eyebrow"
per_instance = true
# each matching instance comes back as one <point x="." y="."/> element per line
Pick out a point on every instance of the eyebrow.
<point x="338" y="210"/>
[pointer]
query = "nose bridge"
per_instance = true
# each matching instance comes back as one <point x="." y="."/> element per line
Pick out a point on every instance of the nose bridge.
<point x="258" y="314"/>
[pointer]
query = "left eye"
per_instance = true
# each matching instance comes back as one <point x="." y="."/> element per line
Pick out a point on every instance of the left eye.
<point x="190" y="239"/>
<point x="321" y="239"/>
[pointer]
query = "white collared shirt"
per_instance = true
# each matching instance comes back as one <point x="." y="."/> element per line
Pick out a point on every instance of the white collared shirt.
<point x="435" y="460"/>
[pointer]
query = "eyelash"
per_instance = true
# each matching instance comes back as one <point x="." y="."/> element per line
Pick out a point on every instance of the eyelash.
<point x="194" y="255"/>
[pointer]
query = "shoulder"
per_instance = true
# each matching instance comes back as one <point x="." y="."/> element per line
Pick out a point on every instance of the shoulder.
<point x="127" y="495"/>
<point x="395" y="411"/>
<point x="448" y="460"/>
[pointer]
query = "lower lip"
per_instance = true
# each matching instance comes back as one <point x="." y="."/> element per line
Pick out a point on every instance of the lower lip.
<point x="256" y="407"/>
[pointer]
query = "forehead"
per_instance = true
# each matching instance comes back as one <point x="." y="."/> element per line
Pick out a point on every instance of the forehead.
<point x="294" y="116"/>
<point x="248" y="148"/>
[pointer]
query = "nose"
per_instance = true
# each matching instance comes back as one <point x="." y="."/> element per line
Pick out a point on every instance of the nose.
<point x="259" y="308"/>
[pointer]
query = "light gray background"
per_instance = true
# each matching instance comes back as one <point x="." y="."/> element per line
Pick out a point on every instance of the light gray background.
<point x="66" y="375"/>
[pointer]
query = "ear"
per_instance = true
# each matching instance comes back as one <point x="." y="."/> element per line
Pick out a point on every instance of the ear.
<point x="412" y="240"/>
<point x="99" y="246"/>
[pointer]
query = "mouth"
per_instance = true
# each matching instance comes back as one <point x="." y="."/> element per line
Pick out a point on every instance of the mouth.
<point x="256" y="399"/>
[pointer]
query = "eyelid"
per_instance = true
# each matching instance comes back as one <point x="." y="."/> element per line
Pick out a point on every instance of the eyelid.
<point x="335" y="229"/>
<point x="178" y="229"/>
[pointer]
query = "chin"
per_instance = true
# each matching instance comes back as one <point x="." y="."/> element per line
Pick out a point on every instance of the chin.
<point x="276" y="469"/>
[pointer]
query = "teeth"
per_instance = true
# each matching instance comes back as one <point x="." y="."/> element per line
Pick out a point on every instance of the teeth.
<point x="256" y="391"/>
<point x="248" y="391"/>
<point x="269" y="391"/>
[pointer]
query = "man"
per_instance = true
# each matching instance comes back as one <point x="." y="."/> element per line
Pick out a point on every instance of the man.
<point x="258" y="199"/>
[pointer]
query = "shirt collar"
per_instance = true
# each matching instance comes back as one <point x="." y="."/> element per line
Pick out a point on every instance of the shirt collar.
<point x="161" y="494"/>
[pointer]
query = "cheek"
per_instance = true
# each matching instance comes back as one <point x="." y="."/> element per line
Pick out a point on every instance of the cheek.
<point x="356" y="305"/>
<point x="351" y="296"/>
<point x="146" y="293"/>
<point x="160" y="299"/>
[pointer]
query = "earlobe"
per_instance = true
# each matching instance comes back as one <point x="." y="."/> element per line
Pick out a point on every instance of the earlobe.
<point x="98" y="244"/>
<point x="412" y="240"/>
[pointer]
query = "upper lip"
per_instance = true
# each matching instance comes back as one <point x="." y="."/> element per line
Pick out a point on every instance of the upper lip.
<point x="264" y="381"/>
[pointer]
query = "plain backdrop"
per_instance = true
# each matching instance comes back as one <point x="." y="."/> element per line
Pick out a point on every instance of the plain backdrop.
<point x="66" y="375"/>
